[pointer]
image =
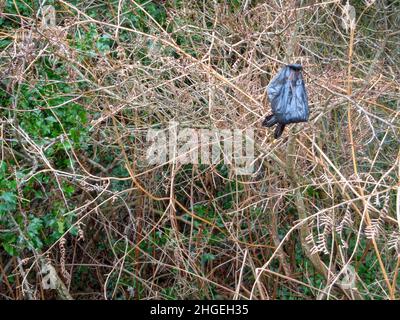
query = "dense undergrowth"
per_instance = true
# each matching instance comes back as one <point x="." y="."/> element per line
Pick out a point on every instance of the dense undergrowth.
<point x="318" y="219"/>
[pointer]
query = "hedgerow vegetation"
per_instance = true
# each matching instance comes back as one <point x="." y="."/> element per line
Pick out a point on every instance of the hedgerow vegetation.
<point x="80" y="206"/>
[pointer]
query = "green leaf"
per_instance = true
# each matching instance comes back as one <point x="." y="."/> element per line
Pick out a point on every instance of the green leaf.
<point x="9" y="197"/>
<point x="10" y="249"/>
<point x="60" y="225"/>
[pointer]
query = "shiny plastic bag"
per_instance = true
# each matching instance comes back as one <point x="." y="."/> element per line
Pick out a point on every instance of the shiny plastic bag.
<point x="288" y="97"/>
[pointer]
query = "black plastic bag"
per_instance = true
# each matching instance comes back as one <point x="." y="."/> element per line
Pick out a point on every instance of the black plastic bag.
<point x="288" y="97"/>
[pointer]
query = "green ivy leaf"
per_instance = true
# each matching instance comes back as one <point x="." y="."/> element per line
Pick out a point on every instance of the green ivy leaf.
<point x="10" y="249"/>
<point x="8" y="197"/>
